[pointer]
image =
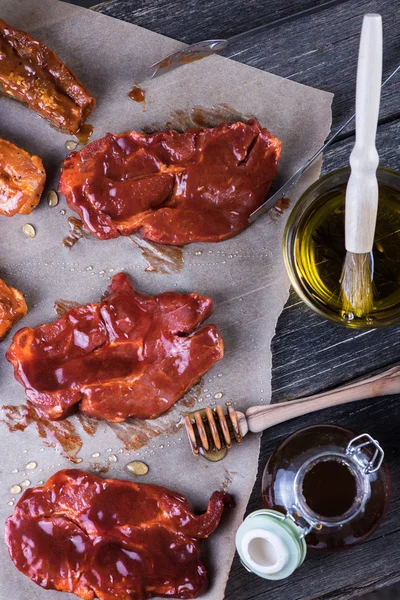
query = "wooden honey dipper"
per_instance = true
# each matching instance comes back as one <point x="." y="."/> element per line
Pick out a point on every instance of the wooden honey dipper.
<point x="211" y="431"/>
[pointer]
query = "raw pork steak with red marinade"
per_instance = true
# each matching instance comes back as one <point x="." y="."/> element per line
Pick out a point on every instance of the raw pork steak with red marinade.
<point x="128" y="356"/>
<point x="175" y="188"/>
<point x="111" y="539"/>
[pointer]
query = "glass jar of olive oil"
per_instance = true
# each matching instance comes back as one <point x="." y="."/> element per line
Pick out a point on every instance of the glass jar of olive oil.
<point x="314" y="249"/>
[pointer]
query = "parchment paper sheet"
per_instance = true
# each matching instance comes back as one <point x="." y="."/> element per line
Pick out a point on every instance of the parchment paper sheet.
<point x="245" y="276"/>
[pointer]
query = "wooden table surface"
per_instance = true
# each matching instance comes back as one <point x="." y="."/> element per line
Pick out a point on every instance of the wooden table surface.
<point x="317" y="48"/>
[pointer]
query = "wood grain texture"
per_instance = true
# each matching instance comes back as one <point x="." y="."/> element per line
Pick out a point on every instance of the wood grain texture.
<point x="191" y="21"/>
<point x="309" y="354"/>
<point x="261" y="417"/>
<point x="318" y="50"/>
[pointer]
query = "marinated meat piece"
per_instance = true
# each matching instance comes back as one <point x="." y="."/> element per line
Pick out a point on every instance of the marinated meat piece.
<point x="22" y="179"/>
<point x="12" y="307"/>
<point x="32" y="73"/>
<point x="176" y="188"/>
<point x="111" y="539"/>
<point x="128" y="356"/>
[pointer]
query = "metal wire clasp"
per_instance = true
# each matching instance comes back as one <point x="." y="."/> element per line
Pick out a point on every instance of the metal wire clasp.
<point x="355" y="447"/>
<point x="300" y="520"/>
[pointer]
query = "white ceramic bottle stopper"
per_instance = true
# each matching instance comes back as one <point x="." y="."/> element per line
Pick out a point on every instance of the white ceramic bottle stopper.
<point x="270" y="544"/>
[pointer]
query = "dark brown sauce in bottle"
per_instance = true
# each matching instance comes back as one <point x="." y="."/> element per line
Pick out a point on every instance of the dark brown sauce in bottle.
<point x="312" y="473"/>
<point x="329" y="488"/>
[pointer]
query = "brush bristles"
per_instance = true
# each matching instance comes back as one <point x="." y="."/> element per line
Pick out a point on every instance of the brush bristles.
<point x="357" y="286"/>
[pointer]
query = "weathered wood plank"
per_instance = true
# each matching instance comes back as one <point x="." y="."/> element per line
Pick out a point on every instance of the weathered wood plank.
<point x="310" y="355"/>
<point x="322" y="50"/>
<point x="84" y="3"/>
<point x="318" y="50"/>
<point x="343" y="575"/>
<point x="190" y="21"/>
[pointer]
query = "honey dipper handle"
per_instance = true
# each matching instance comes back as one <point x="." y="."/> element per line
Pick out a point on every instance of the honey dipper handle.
<point x="262" y="417"/>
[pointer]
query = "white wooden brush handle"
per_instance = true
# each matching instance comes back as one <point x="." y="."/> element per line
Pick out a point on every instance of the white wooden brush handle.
<point x="259" y="418"/>
<point x="362" y="188"/>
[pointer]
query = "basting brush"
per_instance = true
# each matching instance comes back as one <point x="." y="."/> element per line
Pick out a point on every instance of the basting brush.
<point x="362" y="188"/>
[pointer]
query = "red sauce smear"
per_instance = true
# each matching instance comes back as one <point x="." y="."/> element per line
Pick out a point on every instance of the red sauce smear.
<point x="64" y="437"/>
<point x="63" y="306"/>
<point x="159" y="259"/>
<point x="77" y="231"/>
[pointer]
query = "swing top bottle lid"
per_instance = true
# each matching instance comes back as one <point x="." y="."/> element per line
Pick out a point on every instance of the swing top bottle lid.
<point x="270" y="544"/>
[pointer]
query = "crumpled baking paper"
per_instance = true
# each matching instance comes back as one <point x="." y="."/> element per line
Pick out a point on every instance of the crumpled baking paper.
<point x="245" y="276"/>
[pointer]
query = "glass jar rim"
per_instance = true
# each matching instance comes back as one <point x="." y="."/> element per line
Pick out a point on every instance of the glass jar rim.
<point x="361" y="495"/>
<point x="289" y="237"/>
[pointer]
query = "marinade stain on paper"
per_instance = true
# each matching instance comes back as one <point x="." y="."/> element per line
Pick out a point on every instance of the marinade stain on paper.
<point x="160" y="259"/>
<point x="99" y="468"/>
<point x="201" y="116"/>
<point x="198" y="116"/>
<point x="89" y="425"/>
<point x="77" y="232"/>
<point x="135" y="434"/>
<point x="281" y="205"/>
<point x="84" y="133"/>
<point x="63" y="435"/>
<point x="137" y="94"/>
<point x="63" y="306"/>
<point x="229" y="476"/>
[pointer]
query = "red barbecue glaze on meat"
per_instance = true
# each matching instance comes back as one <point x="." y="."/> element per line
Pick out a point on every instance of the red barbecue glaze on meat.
<point x="22" y="179"/>
<point x="128" y="356"/>
<point x="111" y="539"/>
<point x="12" y="307"/>
<point x="176" y="188"/>
<point x="32" y="73"/>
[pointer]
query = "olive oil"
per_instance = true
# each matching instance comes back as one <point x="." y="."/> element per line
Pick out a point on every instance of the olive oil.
<point x="319" y="252"/>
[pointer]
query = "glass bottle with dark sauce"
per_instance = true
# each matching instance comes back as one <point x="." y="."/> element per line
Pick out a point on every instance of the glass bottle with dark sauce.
<point x="324" y="488"/>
